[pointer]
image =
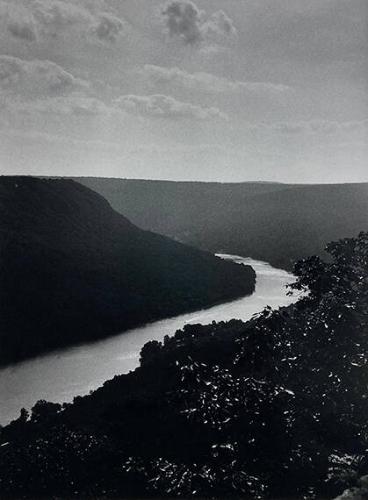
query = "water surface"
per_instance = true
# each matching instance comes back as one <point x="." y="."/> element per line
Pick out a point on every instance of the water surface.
<point x="64" y="374"/>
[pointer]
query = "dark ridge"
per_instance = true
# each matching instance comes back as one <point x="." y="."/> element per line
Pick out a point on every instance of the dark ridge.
<point x="278" y="223"/>
<point x="72" y="269"/>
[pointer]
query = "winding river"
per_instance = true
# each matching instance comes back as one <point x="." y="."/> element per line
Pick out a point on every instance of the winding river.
<point x="62" y="375"/>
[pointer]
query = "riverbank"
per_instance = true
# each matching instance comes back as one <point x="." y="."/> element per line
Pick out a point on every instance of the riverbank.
<point x="60" y="376"/>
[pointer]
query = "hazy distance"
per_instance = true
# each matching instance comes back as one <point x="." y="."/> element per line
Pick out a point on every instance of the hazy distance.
<point x="204" y="90"/>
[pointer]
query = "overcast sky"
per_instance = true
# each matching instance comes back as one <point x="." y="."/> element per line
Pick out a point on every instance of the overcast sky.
<point x="230" y="90"/>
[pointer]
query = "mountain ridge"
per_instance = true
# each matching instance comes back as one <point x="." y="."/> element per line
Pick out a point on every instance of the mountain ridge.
<point x="278" y="223"/>
<point x="72" y="269"/>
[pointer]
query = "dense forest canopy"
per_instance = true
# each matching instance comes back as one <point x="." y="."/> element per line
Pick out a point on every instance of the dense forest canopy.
<point x="272" y="408"/>
<point x="72" y="269"/>
<point x="278" y="223"/>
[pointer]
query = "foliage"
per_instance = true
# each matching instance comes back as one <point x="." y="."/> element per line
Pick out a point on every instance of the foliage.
<point x="273" y="408"/>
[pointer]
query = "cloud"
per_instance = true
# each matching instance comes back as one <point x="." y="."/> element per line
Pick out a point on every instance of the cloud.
<point x="206" y="82"/>
<point x="15" y="20"/>
<point x="36" y="18"/>
<point x="319" y="127"/>
<point x="75" y="116"/>
<point x="26" y="20"/>
<point x="108" y="27"/>
<point x="36" y="78"/>
<point x="219" y="24"/>
<point x="53" y="15"/>
<point x="183" y="19"/>
<point x="162" y="106"/>
<point x="77" y="105"/>
<point x="23" y="30"/>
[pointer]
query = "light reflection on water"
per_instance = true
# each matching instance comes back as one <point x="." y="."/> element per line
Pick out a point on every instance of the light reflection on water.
<point x="62" y="375"/>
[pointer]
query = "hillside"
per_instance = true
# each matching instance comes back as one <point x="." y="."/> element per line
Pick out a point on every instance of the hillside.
<point x="279" y="223"/>
<point x="72" y="269"/>
<point x="272" y="408"/>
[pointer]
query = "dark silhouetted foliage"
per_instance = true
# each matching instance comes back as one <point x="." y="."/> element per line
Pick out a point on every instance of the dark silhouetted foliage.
<point x="273" y="408"/>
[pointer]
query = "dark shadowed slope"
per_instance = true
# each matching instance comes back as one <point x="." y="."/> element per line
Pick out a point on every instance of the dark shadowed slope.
<point x="279" y="223"/>
<point x="72" y="269"/>
<point x="275" y="408"/>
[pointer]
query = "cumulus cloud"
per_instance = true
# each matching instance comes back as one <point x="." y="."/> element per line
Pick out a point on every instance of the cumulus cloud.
<point x="206" y="82"/>
<point x="44" y="18"/>
<point x="27" y="20"/>
<point x="54" y="15"/>
<point x="36" y="78"/>
<point x="162" y="106"/>
<point x="185" y="20"/>
<point x="108" y="27"/>
<point x="219" y="24"/>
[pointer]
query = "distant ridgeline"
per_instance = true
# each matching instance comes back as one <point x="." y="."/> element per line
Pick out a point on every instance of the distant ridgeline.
<point x="273" y="408"/>
<point x="72" y="269"/>
<point x="279" y="223"/>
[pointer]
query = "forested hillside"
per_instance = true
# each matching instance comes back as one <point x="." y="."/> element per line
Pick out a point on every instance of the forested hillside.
<point x="272" y="408"/>
<point x="72" y="269"/>
<point x="279" y="223"/>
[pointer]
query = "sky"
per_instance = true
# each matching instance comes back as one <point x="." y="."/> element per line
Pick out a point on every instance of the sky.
<point x="210" y="90"/>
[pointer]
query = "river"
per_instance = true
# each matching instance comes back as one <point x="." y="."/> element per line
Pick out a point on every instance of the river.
<point x="61" y="375"/>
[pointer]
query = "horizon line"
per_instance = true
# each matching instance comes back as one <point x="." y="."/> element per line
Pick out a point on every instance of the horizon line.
<point x="182" y="181"/>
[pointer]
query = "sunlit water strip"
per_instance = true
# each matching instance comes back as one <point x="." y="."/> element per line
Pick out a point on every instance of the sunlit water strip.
<point x="64" y="374"/>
